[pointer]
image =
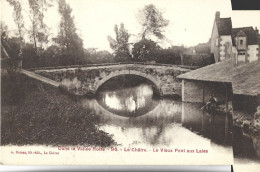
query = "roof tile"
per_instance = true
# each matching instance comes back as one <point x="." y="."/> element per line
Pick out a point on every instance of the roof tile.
<point x="249" y="32"/>
<point x="224" y="26"/>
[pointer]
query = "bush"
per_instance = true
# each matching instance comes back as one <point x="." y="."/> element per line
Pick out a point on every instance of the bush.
<point x="198" y="59"/>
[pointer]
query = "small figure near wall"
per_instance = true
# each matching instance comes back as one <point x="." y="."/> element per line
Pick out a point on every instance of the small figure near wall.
<point x="211" y="104"/>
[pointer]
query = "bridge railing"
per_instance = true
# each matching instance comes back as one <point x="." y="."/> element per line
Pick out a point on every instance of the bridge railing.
<point x="111" y="64"/>
<point x="72" y="66"/>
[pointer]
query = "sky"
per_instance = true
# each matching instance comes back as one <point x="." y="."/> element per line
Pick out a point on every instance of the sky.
<point x="190" y="22"/>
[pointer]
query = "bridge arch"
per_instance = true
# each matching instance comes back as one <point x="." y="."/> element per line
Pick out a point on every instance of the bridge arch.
<point x="152" y="79"/>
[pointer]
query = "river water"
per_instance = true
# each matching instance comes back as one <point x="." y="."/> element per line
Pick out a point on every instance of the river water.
<point x="129" y="111"/>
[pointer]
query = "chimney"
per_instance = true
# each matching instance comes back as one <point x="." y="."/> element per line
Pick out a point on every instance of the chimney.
<point x="217" y="15"/>
<point x="257" y="31"/>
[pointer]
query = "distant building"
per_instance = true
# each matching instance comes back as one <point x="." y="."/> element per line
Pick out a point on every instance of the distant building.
<point x="242" y="44"/>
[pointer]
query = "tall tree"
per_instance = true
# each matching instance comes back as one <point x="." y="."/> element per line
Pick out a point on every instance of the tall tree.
<point x="39" y="29"/>
<point x="68" y="39"/>
<point x="153" y="22"/>
<point x="120" y="44"/>
<point x="18" y="17"/>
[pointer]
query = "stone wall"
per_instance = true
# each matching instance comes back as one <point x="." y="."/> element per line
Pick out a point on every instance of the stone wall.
<point x="192" y="91"/>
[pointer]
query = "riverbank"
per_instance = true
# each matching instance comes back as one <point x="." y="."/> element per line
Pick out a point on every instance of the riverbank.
<point x="35" y="113"/>
<point x="246" y="132"/>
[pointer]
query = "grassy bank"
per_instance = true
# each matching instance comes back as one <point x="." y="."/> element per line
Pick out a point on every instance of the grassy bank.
<point x="35" y="113"/>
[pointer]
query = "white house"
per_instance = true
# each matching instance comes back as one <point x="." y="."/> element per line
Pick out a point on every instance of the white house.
<point x="242" y="44"/>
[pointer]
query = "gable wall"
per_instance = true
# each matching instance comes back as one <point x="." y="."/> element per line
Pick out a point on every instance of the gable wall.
<point x="225" y="47"/>
<point x="214" y="45"/>
<point x="253" y="51"/>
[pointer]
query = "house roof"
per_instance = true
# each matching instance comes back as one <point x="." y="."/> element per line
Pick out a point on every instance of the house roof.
<point x="245" y="79"/>
<point x="249" y="32"/>
<point x="241" y="33"/>
<point x="217" y="72"/>
<point x="224" y="26"/>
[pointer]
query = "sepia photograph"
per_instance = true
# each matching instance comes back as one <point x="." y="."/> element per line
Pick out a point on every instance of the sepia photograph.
<point x="129" y="82"/>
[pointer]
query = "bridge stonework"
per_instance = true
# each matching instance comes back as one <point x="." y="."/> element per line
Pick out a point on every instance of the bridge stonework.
<point x="86" y="80"/>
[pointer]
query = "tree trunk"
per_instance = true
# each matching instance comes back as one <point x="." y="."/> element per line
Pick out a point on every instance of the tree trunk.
<point x="35" y="44"/>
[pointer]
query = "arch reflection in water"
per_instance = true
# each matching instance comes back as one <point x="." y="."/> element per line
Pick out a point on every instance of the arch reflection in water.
<point x="130" y="100"/>
<point x="165" y="122"/>
<point x="167" y="125"/>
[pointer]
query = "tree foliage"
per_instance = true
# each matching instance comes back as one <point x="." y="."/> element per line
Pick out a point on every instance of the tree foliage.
<point x="153" y="22"/>
<point x="68" y="39"/>
<point x="4" y="30"/>
<point x="94" y="56"/>
<point x="18" y="17"/>
<point x="145" y="50"/>
<point x="67" y="48"/>
<point x="120" y="44"/>
<point x="150" y="51"/>
<point x="38" y="32"/>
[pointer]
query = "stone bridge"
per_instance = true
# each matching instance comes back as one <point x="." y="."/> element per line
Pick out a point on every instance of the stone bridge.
<point x="85" y="80"/>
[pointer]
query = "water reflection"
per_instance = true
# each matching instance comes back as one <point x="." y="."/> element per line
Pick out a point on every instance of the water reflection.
<point x="129" y="102"/>
<point x="155" y="115"/>
<point x="164" y="122"/>
<point x="167" y="125"/>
